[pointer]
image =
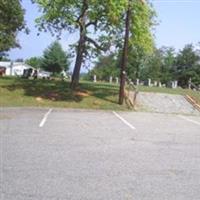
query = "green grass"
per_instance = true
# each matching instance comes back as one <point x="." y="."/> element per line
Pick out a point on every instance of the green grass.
<point x="54" y="93"/>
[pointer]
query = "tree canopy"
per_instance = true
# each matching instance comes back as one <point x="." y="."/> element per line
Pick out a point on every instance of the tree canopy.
<point x="11" y="21"/>
<point x="105" y="67"/>
<point x="54" y="59"/>
<point x="187" y="65"/>
<point x="103" y="17"/>
<point x="163" y="64"/>
<point x="35" y="62"/>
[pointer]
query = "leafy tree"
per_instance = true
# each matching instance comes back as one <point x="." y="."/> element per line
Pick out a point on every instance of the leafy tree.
<point x="187" y="57"/>
<point x="138" y="22"/>
<point x="4" y="57"/>
<point x="55" y="59"/>
<point x="136" y="59"/>
<point x="84" y="16"/>
<point x="11" y="21"/>
<point x="187" y="65"/>
<point x="159" y="65"/>
<point x="106" y="18"/>
<point x="153" y="66"/>
<point x="105" y="67"/>
<point x="141" y="25"/>
<point x="168" y="61"/>
<point x="162" y="64"/>
<point x="109" y="65"/>
<point x="34" y="62"/>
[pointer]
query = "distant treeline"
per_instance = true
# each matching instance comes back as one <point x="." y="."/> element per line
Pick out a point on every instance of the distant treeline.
<point x="163" y="65"/>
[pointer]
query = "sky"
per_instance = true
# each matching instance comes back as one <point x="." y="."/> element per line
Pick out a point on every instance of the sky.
<point x="178" y="25"/>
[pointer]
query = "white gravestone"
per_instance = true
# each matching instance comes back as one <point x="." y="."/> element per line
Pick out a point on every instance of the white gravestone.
<point x="149" y="82"/>
<point x="111" y="79"/>
<point x="137" y="81"/>
<point x="117" y="80"/>
<point x="95" y="79"/>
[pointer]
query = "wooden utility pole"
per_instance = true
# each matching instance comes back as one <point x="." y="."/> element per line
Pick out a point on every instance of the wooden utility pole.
<point x="124" y="59"/>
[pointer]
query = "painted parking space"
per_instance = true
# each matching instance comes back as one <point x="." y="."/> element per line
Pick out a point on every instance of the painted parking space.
<point x="81" y="154"/>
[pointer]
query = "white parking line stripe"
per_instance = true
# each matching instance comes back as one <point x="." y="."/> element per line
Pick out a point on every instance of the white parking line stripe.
<point x="189" y="120"/>
<point x="123" y="120"/>
<point x="45" y="118"/>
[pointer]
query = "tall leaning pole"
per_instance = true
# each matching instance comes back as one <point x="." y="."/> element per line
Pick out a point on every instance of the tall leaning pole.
<point x="124" y="59"/>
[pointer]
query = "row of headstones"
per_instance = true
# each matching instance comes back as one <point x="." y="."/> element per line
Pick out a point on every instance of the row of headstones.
<point x="111" y="79"/>
<point x="172" y="84"/>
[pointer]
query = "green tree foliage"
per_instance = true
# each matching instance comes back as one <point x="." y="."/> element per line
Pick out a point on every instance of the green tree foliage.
<point x="168" y="60"/>
<point x="11" y="21"/>
<point x="34" y="62"/>
<point x="109" y="65"/>
<point x="137" y="22"/>
<point x="159" y="65"/>
<point x="136" y="59"/>
<point x="187" y="65"/>
<point x="153" y="66"/>
<point x="106" y="18"/>
<point x="83" y="16"/>
<point x="162" y="65"/>
<point x="4" y="57"/>
<point x="142" y="23"/>
<point x="55" y="59"/>
<point x="105" y="67"/>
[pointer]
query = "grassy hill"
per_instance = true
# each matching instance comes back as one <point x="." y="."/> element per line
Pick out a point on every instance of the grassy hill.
<point x="56" y="93"/>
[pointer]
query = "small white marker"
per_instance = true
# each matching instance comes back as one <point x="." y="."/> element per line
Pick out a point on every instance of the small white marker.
<point x="124" y="121"/>
<point x="45" y="118"/>
<point x="189" y="120"/>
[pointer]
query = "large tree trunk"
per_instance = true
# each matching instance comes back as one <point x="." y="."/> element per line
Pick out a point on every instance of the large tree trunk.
<point x="81" y="46"/>
<point x="79" y="60"/>
<point x="124" y="58"/>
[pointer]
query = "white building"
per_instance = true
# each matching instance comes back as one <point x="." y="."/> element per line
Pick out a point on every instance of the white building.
<point x="15" y="68"/>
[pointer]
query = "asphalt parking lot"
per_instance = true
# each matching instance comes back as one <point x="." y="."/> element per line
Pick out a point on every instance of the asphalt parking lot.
<point x="57" y="154"/>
